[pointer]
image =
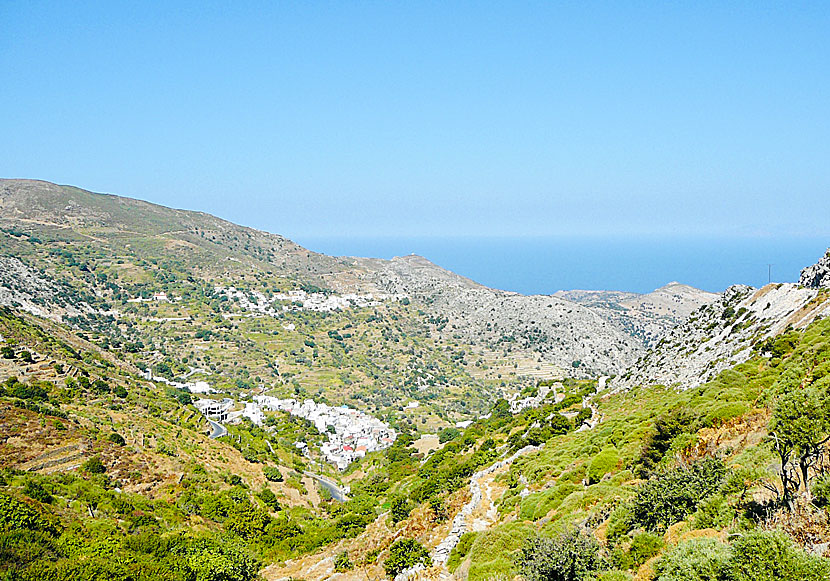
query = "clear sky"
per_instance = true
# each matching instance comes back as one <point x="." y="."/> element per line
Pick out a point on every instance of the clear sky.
<point x="431" y="118"/>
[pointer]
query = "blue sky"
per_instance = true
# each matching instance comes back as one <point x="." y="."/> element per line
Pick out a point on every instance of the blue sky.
<point x="431" y="118"/>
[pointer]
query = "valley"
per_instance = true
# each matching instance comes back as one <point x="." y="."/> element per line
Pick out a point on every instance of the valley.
<point x="185" y="398"/>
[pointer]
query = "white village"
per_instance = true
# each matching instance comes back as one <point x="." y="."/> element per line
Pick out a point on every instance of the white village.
<point x="351" y="433"/>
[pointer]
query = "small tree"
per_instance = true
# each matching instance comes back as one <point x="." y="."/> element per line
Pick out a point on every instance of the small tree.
<point x="799" y="428"/>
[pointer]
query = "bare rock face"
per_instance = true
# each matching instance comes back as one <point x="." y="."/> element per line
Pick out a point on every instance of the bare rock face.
<point x="25" y="288"/>
<point x="585" y="332"/>
<point x="722" y="334"/>
<point x="817" y="275"/>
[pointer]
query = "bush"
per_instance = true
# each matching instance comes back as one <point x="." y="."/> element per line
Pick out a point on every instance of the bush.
<point x="269" y="498"/>
<point x="772" y="556"/>
<point x="448" y="434"/>
<point x="16" y="515"/>
<point x="36" y="491"/>
<point x="273" y="474"/>
<point x="674" y="494"/>
<point x="403" y="554"/>
<point x="602" y="464"/>
<point x="695" y="560"/>
<point x="94" y="466"/>
<point x="644" y="546"/>
<point x="460" y="551"/>
<point x="342" y="563"/>
<point x="400" y="507"/>
<point x="571" y="557"/>
<point x="120" y="391"/>
<point x="116" y="438"/>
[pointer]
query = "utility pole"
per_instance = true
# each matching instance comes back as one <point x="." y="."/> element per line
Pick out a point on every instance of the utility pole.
<point x="769" y="273"/>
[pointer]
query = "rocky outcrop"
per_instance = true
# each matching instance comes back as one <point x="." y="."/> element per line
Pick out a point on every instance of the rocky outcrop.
<point x="23" y="287"/>
<point x="722" y="334"/>
<point x="645" y="316"/>
<point x="817" y="275"/>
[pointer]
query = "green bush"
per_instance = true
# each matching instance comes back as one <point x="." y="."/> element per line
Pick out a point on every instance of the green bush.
<point x="116" y="439"/>
<point x="674" y="494"/>
<point x="342" y="563"/>
<point x="400" y="507"/>
<point x="644" y="546"/>
<point x="571" y="557"/>
<point x="695" y="560"/>
<point x="36" y="491"/>
<point x="94" y="466"/>
<point x="16" y="515"/>
<point x="772" y="556"/>
<point x="602" y="464"/>
<point x="460" y="551"/>
<point x="403" y="554"/>
<point x="272" y="473"/>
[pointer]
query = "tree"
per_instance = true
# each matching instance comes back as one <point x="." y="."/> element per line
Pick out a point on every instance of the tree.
<point x="674" y="494"/>
<point x="799" y="428"/>
<point x="501" y="409"/>
<point x="448" y="434"/>
<point x="403" y="554"/>
<point x="570" y="557"/>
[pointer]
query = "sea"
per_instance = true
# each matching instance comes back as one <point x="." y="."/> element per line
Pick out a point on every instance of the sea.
<point x="544" y="265"/>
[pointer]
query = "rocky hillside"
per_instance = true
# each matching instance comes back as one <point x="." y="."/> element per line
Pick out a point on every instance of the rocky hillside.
<point x="726" y="332"/>
<point x="645" y="316"/>
<point x="45" y="225"/>
<point x="566" y="333"/>
<point x="817" y="275"/>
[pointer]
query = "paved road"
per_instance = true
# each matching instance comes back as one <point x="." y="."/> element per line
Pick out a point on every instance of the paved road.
<point x="337" y="493"/>
<point x="218" y="430"/>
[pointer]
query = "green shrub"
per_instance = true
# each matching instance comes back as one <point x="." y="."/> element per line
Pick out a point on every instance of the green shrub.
<point x="695" y="560"/>
<point x="403" y="554"/>
<point x="94" y="466"/>
<point x="772" y="556"/>
<point x="272" y="473"/>
<point x="571" y="557"/>
<point x="674" y="494"/>
<point x="36" y="491"/>
<point x="269" y="498"/>
<point x="342" y="563"/>
<point x="460" y="550"/>
<point x="602" y="464"/>
<point x="448" y="434"/>
<point x="400" y="507"/>
<point x="16" y="515"/>
<point x="116" y="438"/>
<point x="644" y="546"/>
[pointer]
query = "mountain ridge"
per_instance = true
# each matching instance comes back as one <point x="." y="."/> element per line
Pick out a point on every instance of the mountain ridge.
<point x="559" y="330"/>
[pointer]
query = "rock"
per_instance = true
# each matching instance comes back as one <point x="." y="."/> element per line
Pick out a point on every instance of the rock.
<point x="817" y="275"/>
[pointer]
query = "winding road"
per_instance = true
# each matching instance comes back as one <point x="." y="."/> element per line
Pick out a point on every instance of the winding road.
<point x="337" y="493"/>
<point x="218" y="430"/>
